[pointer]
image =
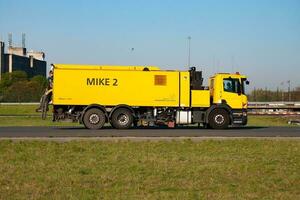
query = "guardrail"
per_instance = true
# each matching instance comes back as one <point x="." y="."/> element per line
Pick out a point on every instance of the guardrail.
<point x="267" y="112"/>
<point x="274" y="108"/>
<point x="276" y="105"/>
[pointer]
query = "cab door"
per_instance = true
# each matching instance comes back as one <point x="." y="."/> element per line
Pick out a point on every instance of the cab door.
<point x="232" y="93"/>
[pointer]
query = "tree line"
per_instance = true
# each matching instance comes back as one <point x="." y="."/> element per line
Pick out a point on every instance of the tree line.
<point x="17" y="87"/>
<point x="277" y="95"/>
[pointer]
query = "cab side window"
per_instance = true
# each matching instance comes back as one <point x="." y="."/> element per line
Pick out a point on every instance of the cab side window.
<point x="231" y="85"/>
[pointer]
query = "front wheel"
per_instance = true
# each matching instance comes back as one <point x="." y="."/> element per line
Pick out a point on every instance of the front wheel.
<point x="218" y="119"/>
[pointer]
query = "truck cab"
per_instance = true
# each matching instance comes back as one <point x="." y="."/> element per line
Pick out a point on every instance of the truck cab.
<point x="228" y="90"/>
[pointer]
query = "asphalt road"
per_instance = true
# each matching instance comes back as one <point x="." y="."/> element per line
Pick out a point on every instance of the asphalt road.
<point x="148" y="132"/>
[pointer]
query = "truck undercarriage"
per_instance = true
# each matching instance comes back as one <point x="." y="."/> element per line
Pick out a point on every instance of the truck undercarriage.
<point x="125" y="117"/>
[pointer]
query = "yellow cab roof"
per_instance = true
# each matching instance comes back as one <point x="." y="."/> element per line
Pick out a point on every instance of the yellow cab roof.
<point x="227" y="75"/>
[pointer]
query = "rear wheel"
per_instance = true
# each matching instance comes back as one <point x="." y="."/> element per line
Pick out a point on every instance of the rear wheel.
<point x="122" y="118"/>
<point x="94" y="118"/>
<point x="218" y="119"/>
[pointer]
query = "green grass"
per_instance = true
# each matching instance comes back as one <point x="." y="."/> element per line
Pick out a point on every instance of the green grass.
<point x="32" y="121"/>
<point x="270" y="120"/>
<point x="227" y="169"/>
<point x="18" y="109"/>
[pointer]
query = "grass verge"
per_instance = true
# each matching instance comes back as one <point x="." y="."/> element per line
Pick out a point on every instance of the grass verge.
<point x="32" y="121"/>
<point x="34" y="118"/>
<point x="232" y="169"/>
<point x="18" y="109"/>
<point x="254" y="120"/>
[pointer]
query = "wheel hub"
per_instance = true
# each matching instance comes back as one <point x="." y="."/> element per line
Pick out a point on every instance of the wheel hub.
<point x="219" y="119"/>
<point x="123" y="119"/>
<point x="94" y="119"/>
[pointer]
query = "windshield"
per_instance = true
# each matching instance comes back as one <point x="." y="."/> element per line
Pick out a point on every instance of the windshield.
<point x="231" y="85"/>
<point x="235" y="85"/>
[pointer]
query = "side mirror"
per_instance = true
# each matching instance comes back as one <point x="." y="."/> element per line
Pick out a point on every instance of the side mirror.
<point x="239" y="88"/>
<point x="247" y="82"/>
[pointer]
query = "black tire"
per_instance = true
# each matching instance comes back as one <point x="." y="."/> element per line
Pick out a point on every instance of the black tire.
<point x="122" y="118"/>
<point x="218" y="119"/>
<point x="94" y="118"/>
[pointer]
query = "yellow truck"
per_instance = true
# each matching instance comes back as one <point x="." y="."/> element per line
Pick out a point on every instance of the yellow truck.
<point x="128" y="96"/>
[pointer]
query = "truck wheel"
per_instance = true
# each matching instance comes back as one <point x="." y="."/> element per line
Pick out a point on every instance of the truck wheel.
<point x="218" y="119"/>
<point x="122" y="118"/>
<point x="94" y="118"/>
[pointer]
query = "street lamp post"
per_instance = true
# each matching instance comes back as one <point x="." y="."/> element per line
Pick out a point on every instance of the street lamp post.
<point x="189" y="51"/>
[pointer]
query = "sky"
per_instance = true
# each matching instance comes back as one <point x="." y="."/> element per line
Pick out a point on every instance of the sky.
<point x="258" y="38"/>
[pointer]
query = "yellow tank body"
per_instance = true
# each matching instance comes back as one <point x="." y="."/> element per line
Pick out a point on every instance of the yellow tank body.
<point x="114" y="85"/>
<point x="200" y="98"/>
<point x="184" y="89"/>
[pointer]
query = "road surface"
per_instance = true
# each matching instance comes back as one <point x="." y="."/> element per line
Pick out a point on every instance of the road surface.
<point x="44" y="132"/>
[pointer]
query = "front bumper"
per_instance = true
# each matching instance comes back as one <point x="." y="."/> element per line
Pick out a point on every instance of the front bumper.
<point x="239" y="117"/>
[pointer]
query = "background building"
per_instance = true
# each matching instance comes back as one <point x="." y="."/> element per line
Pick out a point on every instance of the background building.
<point x="19" y="59"/>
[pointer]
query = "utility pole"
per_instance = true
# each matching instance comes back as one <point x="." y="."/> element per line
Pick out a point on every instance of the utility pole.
<point x="23" y="40"/>
<point x="289" y="89"/>
<point x="132" y="58"/>
<point x="232" y="64"/>
<point x="282" y="91"/>
<point x="10" y="40"/>
<point x="254" y="94"/>
<point x="189" y="51"/>
<point x="277" y="94"/>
